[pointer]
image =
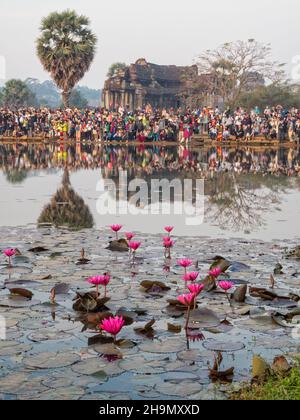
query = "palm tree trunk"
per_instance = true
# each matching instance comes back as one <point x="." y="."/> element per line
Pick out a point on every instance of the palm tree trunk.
<point x="66" y="98"/>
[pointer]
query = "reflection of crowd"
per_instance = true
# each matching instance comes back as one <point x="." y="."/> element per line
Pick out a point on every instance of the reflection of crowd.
<point x="151" y="125"/>
<point x="146" y="161"/>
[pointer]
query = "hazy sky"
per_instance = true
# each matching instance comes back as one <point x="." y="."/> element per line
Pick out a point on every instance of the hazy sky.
<point x="162" y="31"/>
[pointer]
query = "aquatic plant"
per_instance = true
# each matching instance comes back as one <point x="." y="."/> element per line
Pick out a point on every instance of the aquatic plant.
<point x="187" y="300"/>
<point x="113" y="325"/>
<point x="191" y="276"/>
<point x="9" y="253"/>
<point x="169" y="229"/>
<point x="129" y="236"/>
<point x="195" y="289"/>
<point x="226" y="286"/>
<point x="116" y="229"/>
<point x="134" y="246"/>
<point x="185" y="263"/>
<point x="168" y="245"/>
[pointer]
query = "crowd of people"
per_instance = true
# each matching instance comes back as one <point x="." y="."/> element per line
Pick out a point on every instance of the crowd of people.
<point x="152" y="125"/>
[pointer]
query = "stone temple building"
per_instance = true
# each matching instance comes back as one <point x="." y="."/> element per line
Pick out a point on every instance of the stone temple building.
<point x="144" y="83"/>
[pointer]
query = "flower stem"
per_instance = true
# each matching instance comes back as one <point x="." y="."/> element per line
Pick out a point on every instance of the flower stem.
<point x="188" y="318"/>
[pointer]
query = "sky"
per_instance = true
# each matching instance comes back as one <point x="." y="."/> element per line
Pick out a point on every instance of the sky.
<point x="162" y="31"/>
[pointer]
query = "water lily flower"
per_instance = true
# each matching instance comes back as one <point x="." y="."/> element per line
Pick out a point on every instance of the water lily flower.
<point x="95" y="281"/>
<point x="185" y="263"/>
<point x="116" y="229"/>
<point x="134" y="246"/>
<point x="187" y="300"/>
<point x="169" y="229"/>
<point x="104" y="281"/>
<point x="216" y="272"/>
<point x="196" y="289"/>
<point x="129" y="236"/>
<point x="9" y="253"/>
<point x="113" y="325"/>
<point x="191" y="276"/>
<point x="169" y="243"/>
<point x="226" y="285"/>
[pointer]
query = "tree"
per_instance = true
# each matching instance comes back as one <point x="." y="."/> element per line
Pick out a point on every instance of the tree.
<point x="114" y="68"/>
<point x="66" y="49"/>
<point x="16" y="94"/>
<point x="272" y="95"/>
<point x="233" y="68"/>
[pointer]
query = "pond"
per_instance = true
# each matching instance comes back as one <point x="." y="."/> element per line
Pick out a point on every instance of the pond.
<point x="53" y="346"/>
<point x="248" y="193"/>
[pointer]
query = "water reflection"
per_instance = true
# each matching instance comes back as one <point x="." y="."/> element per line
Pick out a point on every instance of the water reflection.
<point x="242" y="184"/>
<point x="67" y="209"/>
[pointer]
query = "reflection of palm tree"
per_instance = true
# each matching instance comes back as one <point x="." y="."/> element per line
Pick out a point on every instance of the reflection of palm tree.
<point x="16" y="176"/>
<point x="239" y="202"/>
<point x="67" y="208"/>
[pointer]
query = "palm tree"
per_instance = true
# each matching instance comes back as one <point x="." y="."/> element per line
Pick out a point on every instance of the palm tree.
<point x="66" y="49"/>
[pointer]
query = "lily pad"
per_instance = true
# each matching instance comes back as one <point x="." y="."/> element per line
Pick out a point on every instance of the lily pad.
<point x="51" y="360"/>
<point x="203" y="318"/>
<point x="170" y="345"/>
<point x="94" y="365"/>
<point x="184" y="389"/>
<point x="226" y="347"/>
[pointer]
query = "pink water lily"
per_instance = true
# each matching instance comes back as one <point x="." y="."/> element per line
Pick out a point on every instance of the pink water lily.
<point x="113" y="325"/>
<point x="216" y="272"/>
<point x="196" y="289"/>
<point x="169" y="229"/>
<point x="9" y="253"/>
<point x="168" y="243"/>
<point x="97" y="281"/>
<point x="191" y="276"/>
<point x="104" y="281"/>
<point x="116" y="229"/>
<point x="185" y="263"/>
<point x="186" y="300"/>
<point x="226" y="285"/>
<point x="134" y="246"/>
<point x="129" y="236"/>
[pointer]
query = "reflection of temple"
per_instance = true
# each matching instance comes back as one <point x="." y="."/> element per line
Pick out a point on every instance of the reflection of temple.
<point x="145" y="83"/>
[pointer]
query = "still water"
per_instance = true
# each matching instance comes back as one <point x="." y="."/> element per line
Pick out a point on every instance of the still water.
<point x="248" y="193"/>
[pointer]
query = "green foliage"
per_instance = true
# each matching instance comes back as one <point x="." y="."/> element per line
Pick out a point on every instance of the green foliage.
<point x="114" y="68"/>
<point x="276" y="388"/>
<point x="66" y="49"/>
<point x="16" y="94"/>
<point x="272" y="95"/>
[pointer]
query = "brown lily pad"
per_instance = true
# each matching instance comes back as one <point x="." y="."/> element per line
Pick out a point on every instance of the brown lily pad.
<point x="147" y="330"/>
<point x="154" y="286"/>
<point x="176" y="329"/>
<point x="22" y="292"/>
<point x="118" y="246"/>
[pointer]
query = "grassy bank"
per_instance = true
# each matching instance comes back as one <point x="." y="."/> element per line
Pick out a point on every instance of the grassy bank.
<point x="275" y="388"/>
